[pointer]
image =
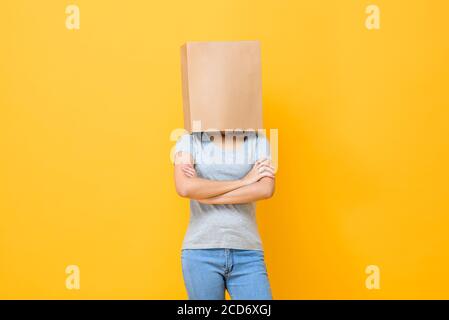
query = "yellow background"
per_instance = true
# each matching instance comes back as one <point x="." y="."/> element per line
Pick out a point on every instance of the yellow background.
<point x="85" y="119"/>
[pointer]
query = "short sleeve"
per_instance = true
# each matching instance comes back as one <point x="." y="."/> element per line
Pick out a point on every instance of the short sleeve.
<point x="262" y="148"/>
<point x="185" y="144"/>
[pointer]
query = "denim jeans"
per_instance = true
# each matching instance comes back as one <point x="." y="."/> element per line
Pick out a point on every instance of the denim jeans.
<point x="209" y="272"/>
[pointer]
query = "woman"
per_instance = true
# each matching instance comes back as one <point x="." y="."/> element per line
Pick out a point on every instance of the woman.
<point x="224" y="173"/>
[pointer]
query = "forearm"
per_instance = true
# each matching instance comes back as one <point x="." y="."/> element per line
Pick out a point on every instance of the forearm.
<point x="198" y="188"/>
<point x="246" y="194"/>
<point x="189" y="185"/>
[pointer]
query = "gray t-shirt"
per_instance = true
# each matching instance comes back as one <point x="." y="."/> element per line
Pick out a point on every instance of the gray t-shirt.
<point x="230" y="225"/>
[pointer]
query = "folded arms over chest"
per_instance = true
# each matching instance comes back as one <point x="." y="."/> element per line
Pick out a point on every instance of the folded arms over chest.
<point x="258" y="184"/>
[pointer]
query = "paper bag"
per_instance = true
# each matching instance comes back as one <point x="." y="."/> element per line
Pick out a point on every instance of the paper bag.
<point x="221" y="86"/>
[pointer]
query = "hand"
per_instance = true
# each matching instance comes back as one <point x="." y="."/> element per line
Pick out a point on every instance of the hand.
<point x="188" y="170"/>
<point x="262" y="168"/>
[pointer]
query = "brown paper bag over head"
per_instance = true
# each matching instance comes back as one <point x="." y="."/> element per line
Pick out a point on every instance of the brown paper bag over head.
<point x="221" y="86"/>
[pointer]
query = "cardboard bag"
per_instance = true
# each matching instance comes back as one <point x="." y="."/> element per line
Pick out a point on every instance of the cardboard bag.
<point x="222" y="86"/>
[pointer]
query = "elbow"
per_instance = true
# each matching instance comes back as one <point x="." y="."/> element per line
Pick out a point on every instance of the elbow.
<point x="187" y="190"/>
<point x="268" y="192"/>
<point x="182" y="191"/>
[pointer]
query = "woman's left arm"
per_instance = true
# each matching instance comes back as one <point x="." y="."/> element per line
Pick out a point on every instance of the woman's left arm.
<point x="262" y="189"/>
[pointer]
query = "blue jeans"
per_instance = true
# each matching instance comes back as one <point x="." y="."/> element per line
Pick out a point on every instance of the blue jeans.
<point x="209" y="272"/>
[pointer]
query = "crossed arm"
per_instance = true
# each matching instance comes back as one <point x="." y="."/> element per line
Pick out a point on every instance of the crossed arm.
<point x="262" y="189"/>
<point x="258" y="184"/>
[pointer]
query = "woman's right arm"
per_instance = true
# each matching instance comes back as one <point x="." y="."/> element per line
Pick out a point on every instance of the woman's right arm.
<point x="197" y="188"/>
<point x="190" y="186"/>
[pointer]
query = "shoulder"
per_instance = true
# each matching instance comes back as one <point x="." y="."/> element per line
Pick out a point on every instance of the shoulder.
<point x="185" y="138"/>
<point x="184" y="143"/>
<point x="188" y="142"/>
<point x="262" y="147"/>
<point x="261" y="138"/>
<point x="256" y="139"/>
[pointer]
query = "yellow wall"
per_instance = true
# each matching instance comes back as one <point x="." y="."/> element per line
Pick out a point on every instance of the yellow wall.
<point x="85" y="119"/>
